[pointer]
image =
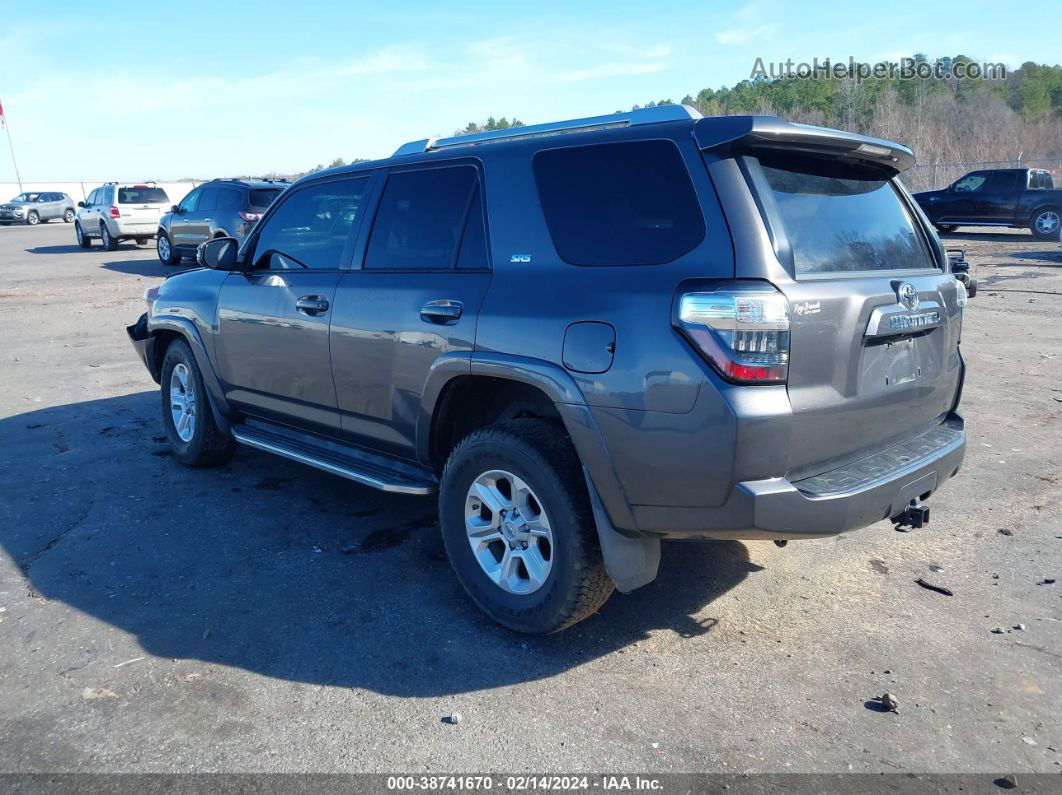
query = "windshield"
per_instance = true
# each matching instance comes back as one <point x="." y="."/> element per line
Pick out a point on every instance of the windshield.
<point x="140" y="195"/>
<point x="839" y="219"/>
<point x="26" y="197"/>
<point x="263" y="197"/>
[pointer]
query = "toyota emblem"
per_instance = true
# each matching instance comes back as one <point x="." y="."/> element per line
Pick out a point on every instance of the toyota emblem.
<point x="908" y="296"/>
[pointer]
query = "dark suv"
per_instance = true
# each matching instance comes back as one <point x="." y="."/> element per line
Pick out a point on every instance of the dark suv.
<point x="586" y="337"/>
<point x="220" y="208"/>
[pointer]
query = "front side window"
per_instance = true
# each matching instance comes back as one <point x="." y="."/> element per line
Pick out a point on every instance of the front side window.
<point x="190" y="202"/>
<point x="840" y="219"/>
<point x="420" y="220"/>
<point x="970" y="183"/>
<point x="619" y="204"/>
<point x="312" y="227"/>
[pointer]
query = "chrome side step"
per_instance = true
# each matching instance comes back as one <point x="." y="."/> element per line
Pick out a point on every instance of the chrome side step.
<point x="360" y="466"/>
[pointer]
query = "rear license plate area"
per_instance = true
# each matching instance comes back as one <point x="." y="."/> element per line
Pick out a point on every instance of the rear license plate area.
<point x="901" y="362"/>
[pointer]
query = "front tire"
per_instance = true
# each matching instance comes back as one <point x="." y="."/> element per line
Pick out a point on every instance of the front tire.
<point x="68" y="217"/>
<point x="164" y="248"/>
<point x="518" y="528"/>
<point x="32" y="218"/>
<point x="1045" y="223"/>
<point x="83" y="240"/>
<point x="186" y="412"/>
<point x="110" y="243"/>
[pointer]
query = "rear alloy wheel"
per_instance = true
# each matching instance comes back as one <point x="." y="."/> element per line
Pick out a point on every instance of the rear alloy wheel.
<point x="186" y="412"/>
<point x="109" y="242"/>
<point x="1045" y="224"/>
<point x="518" y="527"/>
<point x="167" y="256"/>
<point x="83" y="240"/>
<point x="68" y="216"/>
<point x="32" y="218"/>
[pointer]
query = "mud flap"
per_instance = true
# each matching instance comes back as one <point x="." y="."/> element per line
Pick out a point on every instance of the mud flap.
<point x="630" y="562"/>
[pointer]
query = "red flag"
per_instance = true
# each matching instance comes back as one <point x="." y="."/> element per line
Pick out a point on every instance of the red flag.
<point x="3" y="119"/>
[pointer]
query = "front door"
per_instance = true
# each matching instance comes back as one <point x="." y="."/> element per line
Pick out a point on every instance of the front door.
<point x="272" y="343"/>
<point x="179" y="219"/>
<point x="415" y="298"/>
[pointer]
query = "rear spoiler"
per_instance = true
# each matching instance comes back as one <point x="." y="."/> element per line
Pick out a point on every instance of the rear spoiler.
<point x="752" y="133"/>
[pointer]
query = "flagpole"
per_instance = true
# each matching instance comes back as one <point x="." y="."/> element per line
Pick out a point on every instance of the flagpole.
<point x="11" y="146"/>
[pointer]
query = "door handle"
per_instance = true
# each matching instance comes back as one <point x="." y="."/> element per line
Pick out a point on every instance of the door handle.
<point x="312" y="304"/>
<point x="443" y="312"/>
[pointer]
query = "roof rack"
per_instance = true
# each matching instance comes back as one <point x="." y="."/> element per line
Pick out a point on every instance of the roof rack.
<point x="660" y="113"/>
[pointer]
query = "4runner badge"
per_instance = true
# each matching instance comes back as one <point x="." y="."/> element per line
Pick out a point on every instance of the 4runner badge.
<point x="908" y="296"/>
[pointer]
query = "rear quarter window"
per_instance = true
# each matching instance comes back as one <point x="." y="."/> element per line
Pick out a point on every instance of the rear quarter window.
<point x="838" y="219"/>
<point x="626" y="203"/>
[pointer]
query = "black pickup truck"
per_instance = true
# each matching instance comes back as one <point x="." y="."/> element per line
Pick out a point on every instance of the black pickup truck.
<point x="1019" y="197"/>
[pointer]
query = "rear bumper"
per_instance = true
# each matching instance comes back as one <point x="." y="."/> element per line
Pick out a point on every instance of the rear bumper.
<point x="144" y="343"/>
<point x="855" y="496"/>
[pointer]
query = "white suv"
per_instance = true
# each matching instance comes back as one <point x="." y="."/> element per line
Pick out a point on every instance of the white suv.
<point x="120" y="212"/>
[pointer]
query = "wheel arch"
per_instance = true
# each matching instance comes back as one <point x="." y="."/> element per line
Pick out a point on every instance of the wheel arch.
<point x="167" y="328"/>
<point x="532" y="383"/>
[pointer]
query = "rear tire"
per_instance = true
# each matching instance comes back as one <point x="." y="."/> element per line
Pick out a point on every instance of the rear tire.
<point x="68" y="217"/>
<point x="537" y="454"/>
<point x="110" y="243"/>
<point x="32" y="218"/>
<point x="164" y="248"/>
<point x="946" y="227"/>
<point x="83" y="240"/>
<point x="187" y="415"/>
<point x="1045" y="223"/>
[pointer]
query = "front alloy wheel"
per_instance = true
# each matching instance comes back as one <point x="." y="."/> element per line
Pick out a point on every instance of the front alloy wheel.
<point x="182" y="402"/>
<point x="33" y="219"/>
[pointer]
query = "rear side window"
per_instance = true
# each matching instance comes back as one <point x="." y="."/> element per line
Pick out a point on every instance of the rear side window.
<point x="1001" y="182"/>
<point x="841" y="220"/>
<point x="420" y="220"/>
<point x="136" y="195"/>
<point x="263" y="197"/>
<point x="619" y="204"/>
<point x="312" y="227"/>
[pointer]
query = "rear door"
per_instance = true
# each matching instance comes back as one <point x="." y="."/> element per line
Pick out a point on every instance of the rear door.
<point x="140" y="208"/>
<point x="272" y="346"/>
<point x="416" y="297"/>
<point x="997" y="201"/>
<point x="874" y="316"/>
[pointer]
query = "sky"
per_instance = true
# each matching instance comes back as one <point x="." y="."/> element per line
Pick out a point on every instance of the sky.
<point x="120" y="90"/>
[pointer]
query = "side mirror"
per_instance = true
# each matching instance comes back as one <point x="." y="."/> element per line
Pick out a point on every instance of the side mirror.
<point x="218" y="254"/>
<point x="81" y="204"/>
<point x="175" y="209"/>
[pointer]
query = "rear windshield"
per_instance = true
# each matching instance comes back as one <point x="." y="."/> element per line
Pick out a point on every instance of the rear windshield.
<point x="264" y="197"/>
<point x="142" y="196"/>
<point x="840" y="221"/>
<point x="619" y="204"/>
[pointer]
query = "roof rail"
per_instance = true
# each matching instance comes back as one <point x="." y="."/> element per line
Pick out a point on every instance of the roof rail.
<point x="660" y="113"/>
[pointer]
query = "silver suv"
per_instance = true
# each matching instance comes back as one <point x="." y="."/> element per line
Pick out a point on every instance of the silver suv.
<point x="37" y="207"/>
<point x="114" y="213"/>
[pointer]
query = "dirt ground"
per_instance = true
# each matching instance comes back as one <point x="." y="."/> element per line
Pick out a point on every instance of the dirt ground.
<point x="269" y="617"/>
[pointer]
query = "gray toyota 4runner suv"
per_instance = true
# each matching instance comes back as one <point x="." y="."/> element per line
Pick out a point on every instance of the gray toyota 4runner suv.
<point x="585" y="337"/>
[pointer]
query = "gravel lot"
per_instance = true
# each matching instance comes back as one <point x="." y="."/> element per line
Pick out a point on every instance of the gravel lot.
<point x="270" y="617"/>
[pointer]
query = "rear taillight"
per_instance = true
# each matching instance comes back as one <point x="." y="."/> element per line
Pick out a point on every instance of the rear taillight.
<point x="250" y="216"/>
<point x="114" y="212"/>
<point x="741" y="329"/>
